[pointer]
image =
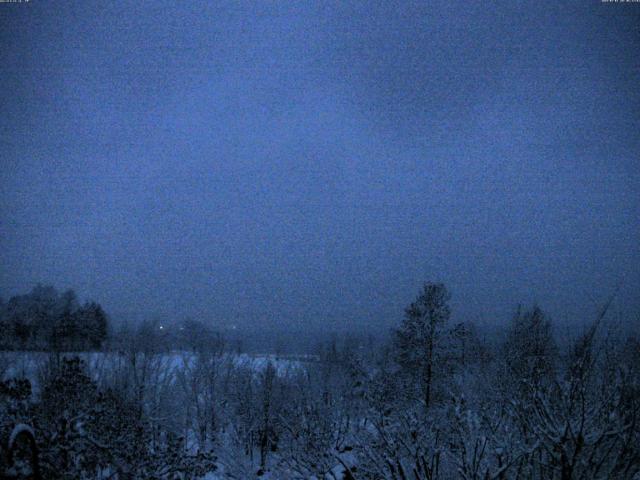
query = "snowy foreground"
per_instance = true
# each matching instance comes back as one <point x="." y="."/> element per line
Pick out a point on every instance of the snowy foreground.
<point x="436" y="404"/>
<point x="191" y="377"/>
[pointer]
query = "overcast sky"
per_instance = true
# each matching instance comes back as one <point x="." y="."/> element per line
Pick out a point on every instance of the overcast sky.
<point x="302" y="164"/>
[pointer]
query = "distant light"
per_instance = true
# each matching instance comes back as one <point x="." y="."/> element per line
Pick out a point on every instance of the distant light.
<point x="161" y="327"/>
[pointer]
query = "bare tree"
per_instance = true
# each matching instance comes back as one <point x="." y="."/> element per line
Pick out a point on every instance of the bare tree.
<point x="585" y="425"/>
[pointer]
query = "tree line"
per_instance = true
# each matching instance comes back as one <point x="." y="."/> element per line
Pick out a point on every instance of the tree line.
<point x="44" y="319"/>
<point x="435" y="402"/>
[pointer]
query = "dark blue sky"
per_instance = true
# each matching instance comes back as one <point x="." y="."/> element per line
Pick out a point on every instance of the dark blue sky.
<point x="301" y="163"/>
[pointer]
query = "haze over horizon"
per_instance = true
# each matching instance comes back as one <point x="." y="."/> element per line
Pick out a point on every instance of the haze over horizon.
<point x="301" y="164"/>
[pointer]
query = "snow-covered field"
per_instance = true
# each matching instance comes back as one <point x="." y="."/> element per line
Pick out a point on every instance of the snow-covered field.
<point x="31" y="365"/>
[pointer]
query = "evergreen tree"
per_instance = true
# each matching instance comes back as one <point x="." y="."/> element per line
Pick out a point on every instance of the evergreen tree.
<point x="529" y="350"/>
<point x="418" y="338"/>
<point x="92" y="324"/>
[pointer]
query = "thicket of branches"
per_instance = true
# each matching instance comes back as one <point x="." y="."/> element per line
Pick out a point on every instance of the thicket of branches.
<point x="437" y="402"/>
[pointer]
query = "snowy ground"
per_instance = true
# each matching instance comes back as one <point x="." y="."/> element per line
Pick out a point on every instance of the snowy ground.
<point x="31" y="364"/>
